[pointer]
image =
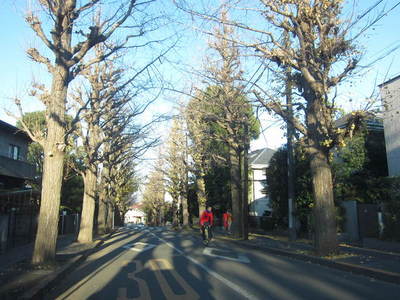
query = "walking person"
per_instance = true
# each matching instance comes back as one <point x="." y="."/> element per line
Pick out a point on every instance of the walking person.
<point x="227" y="219"/>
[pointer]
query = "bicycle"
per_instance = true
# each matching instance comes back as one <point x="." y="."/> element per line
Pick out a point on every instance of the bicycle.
<point x="207" y="235"/>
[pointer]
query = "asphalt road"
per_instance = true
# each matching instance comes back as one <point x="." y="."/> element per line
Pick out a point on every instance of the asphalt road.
<point x="155" y="263"/>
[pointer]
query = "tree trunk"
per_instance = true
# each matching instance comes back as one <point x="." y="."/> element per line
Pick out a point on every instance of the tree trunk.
<point x="105" y="195"/>
<point x="47" y="232"/>
<point x="185" y="211"/>
<point x="103" y="198"/>
<point x="175" y="211"/>
<point x="86" y="227"/>
<point x="101" y="217"/>
<point x="53" y="165"/>
<point x="110" y="216"/>
<point x="237" y="214"/>
<point x="324" y="209"/>
<point x="201" y="193"/>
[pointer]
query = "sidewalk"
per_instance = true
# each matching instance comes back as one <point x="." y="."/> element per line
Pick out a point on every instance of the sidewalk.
<point x="21" y="281"/>
<point x="376" y="259"/>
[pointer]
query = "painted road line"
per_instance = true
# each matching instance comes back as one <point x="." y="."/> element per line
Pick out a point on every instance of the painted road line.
<point x="144" y="292"/>
<point x="240" y="290"/>
<point x="138" y="246"/>
<point x="158" y="265"/>
<point x="239" y="257"/>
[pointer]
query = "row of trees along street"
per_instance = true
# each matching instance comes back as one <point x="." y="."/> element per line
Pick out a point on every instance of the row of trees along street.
<point x="302" y="49"/>
<point x="96" y="130"/>
<point x="305" y="50"/>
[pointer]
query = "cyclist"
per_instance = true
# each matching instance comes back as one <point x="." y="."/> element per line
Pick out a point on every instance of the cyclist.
<point x="207" y="218"/>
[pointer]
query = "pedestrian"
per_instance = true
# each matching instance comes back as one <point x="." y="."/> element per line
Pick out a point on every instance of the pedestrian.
<point x="227" y="219"/>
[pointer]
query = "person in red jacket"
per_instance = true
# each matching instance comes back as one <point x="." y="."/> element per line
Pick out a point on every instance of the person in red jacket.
<point x="207" y="218"/>
<point x="227" y="218"/>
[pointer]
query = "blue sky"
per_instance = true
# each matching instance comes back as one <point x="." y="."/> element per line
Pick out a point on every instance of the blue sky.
<point x="17" y="71"/>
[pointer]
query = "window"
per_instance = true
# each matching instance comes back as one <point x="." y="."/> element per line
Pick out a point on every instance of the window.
<point x="264" y="172"/>
<point x="14" y="152"/>
<point x="264" y="189"/>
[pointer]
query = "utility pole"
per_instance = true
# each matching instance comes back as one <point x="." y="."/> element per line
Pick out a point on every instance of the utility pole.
<point x="185" y="212"/>
<point x="290" y="156"/>
<point x="245" y="177"/>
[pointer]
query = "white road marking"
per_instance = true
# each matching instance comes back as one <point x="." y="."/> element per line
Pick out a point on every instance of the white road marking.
<point x="134" y="246"/>
<point x="240" y="290"/>
<point x="239" y="257"/>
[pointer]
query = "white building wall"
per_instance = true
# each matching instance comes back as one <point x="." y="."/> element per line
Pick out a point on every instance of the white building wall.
<point x="134" y="216"/>
<point x="390" y="93"/>
<point x="259" y="202"/>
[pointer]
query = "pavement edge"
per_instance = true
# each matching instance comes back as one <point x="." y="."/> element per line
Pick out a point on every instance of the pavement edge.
<point x="374" y="273"/>
<point x="37" y="292"/>
<point x="356" y="269"/>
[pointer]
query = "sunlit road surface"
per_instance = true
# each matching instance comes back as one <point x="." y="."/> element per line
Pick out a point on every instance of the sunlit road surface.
<point x="156" y="263"/>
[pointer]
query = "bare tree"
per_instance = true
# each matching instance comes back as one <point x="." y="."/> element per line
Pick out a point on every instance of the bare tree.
<point x="153" y="198"/>
<point x="96" y="105"/>
<point x="198" y="150"/>
<point x="223" y="106"/>
<point x="125" y="144"/>
<point x="176" y="170"/>
<point x="68" y="42"/>
<point x="321" y="55"/>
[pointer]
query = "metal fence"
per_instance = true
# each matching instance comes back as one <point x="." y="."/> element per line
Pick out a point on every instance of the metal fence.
<point x="68" y="224"/>
<point x="18" y="218"/>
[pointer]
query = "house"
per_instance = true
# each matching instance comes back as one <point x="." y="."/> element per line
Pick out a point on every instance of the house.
<point x="14" y="168"/>
<point x="259" y="204"/>
<point x="18" y="206"/>
<point x="135" y="215"/>
<point x="390" y="94"/>
<point x="372" y="122"/>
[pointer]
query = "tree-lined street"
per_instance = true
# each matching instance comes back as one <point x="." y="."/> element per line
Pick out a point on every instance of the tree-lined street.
<point x="142" y="129"/>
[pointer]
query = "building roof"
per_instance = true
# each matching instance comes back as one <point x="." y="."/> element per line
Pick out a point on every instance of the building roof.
<point x="261" y="156"/>
<point x="137" y="206"/>
<point x="374" y="123"/>
<point x="13" y="130"/>
<point x="389" y="81"/>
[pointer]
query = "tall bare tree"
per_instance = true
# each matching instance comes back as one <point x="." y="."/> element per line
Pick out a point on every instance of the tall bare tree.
<point x="68" y="42"/>
<point x="321" y="55"/>
<point x="154" y="197"/>
<point x="176" y="170"/>
<point x="224" y="104"/>
<point x="96" y="105"/>
<point x="198" y="147"/>
<point x="125" y="144"/>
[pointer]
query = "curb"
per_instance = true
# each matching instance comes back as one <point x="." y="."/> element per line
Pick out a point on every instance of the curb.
<point x="378" y="274"/>
<point x="375" y="252"/>
<point x="38" y="291"/>
<point x="356" y="269"/>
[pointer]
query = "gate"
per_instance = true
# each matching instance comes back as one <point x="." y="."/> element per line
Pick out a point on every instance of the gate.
<point x="368" y="220"/>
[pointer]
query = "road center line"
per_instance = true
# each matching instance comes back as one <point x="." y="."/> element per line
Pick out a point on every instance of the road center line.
<point x="227" y="282"/>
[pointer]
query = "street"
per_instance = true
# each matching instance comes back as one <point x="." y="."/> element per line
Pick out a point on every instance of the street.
<point x="156" y="263"/>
